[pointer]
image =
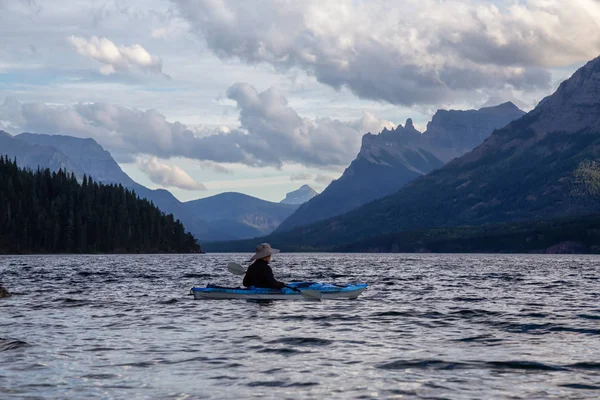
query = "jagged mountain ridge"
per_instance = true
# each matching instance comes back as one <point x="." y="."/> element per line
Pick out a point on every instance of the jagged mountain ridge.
<point x="391" y="159"/>
<point x="240" y="215"/>
<point x="525" y="170"/>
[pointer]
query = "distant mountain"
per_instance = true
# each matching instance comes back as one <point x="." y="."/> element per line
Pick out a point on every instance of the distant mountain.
<point x="534" y="168"/>
<point x="239" y="215"/>
<point x="300" y="196"/>
<point x="86" y="156"/>
<point x="388" y="161"/>
<point x="34" y="156"/>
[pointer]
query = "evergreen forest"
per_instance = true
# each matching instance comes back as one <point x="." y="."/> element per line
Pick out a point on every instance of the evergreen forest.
<point x="51" y="212"/>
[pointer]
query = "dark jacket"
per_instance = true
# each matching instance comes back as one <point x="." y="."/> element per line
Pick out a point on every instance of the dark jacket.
<point x="259" y="274"/>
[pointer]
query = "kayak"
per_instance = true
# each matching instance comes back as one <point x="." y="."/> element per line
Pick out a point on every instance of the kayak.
<point x="328" y="290"/>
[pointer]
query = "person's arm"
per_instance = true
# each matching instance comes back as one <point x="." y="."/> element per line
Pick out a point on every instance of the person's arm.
<point x="273" y="283"/>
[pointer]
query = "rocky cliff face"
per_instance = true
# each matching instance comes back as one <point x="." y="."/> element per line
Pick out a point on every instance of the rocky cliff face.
<point x="388" y="161"/>
<point x="575" y="106"/>
<point x="401" y="147"/>
<point x="456" y="132"/>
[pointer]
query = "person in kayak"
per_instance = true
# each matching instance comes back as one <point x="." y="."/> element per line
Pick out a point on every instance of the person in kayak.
<point x="260" y="274"/>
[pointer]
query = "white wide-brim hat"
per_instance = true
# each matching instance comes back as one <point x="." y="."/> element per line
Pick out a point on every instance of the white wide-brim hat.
<point x="263" y="250"/>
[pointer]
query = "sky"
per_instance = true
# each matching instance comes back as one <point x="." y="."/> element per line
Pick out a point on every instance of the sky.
<point x="262" y="96"/>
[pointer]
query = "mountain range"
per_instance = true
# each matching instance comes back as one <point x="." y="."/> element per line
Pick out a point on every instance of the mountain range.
<point x="528" y="170"/>
<point x="378" y="170"/>
<point x="228" y="216"/>
<point x="388" y="161"/>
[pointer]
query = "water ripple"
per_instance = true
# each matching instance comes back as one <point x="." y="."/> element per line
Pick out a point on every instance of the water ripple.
<point x="12" y="344"/>
<point x="429" y="326"/>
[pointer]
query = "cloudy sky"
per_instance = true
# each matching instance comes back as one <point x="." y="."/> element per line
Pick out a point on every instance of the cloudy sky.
<point x="262" y="96"/>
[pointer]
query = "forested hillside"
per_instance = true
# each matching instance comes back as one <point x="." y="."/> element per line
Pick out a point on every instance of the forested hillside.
<point x="51" y="212"/>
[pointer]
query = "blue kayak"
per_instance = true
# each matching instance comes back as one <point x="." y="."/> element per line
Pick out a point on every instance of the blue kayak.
<point x="328" y="290"/>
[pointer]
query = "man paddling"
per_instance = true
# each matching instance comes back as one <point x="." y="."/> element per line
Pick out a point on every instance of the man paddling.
<point x="260" y="274"/>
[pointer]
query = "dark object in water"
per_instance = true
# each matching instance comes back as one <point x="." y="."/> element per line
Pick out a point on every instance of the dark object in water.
<point x="4" y="292"/>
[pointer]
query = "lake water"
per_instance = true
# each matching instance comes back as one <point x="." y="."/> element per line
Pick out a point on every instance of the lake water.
<point x="429" y="326"/>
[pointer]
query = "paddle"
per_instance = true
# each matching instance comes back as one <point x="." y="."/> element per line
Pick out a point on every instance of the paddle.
<point x="237" y="269"/>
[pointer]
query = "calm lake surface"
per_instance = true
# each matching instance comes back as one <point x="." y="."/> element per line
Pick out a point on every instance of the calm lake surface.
<point x="429" y="326"/>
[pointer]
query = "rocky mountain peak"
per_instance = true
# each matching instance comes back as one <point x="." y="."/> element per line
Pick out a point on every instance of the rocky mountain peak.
<point x="300" y="196"/>
<point x="508" y="106"/>
<point x="70" y="144"/>
<point x="90" y="157"/>
<point x="575" y="106"/>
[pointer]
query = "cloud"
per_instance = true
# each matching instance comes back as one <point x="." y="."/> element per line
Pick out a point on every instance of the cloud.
<point x="175" y="28"/>
<point x="29" y="6"/>
<point x="277" y="134"/>
<point x="168" y="175"/>
<point x="215" y="167"/>
<point x="301" y="177"/>
<point x="159" y="33"/>
<point x="116" y="58"/>
<point x="271" y="133"/>
<point x="323" y="179"/>
<point x="404" y="52"/>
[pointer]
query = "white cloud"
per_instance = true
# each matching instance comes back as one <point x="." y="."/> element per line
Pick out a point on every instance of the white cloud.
<point x="215" y="167"/>
<point x="29" y="6"/>
<point x="277" y="134"/>
<point x="175" y="28"/>
<point x="323" y="179"/>
<point x="301" y="177"/>
<point x="168" y="175"/>
<point x="271" y="133"/>
<point x="404" y="52"/>
<point x="116" y="58"/>
<point x="159" y="33"/>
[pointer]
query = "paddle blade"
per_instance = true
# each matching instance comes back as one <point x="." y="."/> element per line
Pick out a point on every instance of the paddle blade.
<point x="236" y="269"/>
<point x="312" y="294"/>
